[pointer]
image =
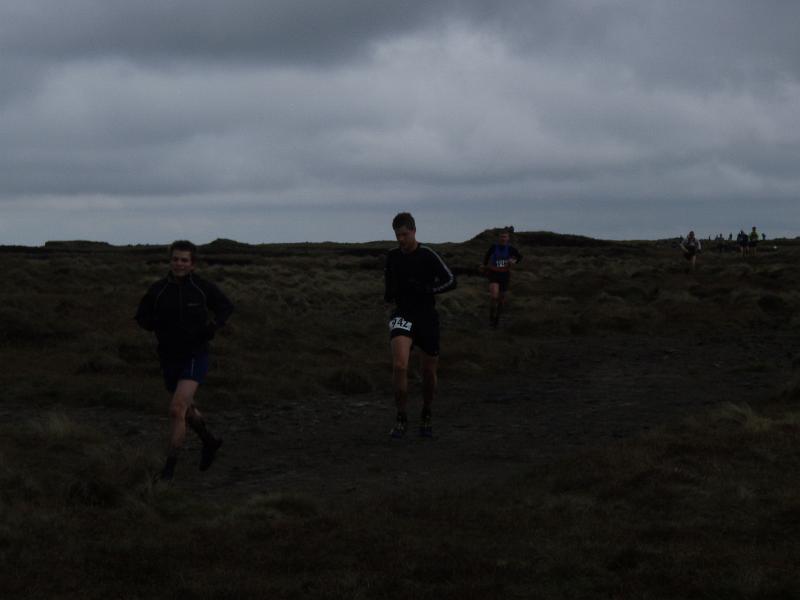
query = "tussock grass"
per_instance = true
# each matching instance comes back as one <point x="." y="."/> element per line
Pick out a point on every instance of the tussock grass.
<point x="701" y="509"/>
<point x="55" y="463"/>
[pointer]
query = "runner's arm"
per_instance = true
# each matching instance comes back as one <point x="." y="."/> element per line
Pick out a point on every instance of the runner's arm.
<point x="444" y="279"/>
<point x="219" y="304"/>
<point x="388" y="281"/>
<point x="515" y="255"/>
<point x="488" y="255"/>
<point x="145" y="314"/>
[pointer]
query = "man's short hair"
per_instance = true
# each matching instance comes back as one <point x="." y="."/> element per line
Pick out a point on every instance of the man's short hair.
<point x="403" y="219"/>
<point x="183" y="246"/>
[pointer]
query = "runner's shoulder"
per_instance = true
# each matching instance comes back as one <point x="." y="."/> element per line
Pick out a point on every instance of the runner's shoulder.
<point x="203" y="283"/>
<point x="158" y="285"/>
<point x="429" y="251"/>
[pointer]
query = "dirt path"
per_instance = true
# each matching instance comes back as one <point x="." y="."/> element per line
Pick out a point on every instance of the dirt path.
<point x="582" y="392"/>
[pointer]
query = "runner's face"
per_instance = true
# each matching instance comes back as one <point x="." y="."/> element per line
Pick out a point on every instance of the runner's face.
<point x="503" y="239"/>
<point x="406" y="238"/>
<point x="181" y="263"/>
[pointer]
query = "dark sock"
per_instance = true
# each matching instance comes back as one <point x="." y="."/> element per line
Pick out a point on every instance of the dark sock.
<point x="402" y="416"/>
<point x="169" y="466"/>
<point x="199" y="427"/>
<point x="426" y="411"/>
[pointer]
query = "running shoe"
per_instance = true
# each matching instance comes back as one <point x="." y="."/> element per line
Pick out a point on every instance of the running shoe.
<point x="426" y="426"/>
<point x="399" y="429"/>
<point x="208" y="453"/>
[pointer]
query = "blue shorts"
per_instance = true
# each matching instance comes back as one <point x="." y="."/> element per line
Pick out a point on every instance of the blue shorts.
<point x="193" y="368"/>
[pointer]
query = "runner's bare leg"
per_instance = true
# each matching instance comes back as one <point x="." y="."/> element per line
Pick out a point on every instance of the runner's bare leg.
<point x="401" y="350"/>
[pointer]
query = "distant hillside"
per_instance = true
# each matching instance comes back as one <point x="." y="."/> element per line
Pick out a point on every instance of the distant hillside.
<point x="542" y="238"/>
<point x="76" y="245"/>
<point x="225" y="245"/>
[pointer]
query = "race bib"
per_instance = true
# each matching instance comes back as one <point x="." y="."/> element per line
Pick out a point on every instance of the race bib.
<point x="400" y="323"/>
<point x="501" y="263"/>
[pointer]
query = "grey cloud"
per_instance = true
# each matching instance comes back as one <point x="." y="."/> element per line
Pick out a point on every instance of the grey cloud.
<point x="543" y="108"/>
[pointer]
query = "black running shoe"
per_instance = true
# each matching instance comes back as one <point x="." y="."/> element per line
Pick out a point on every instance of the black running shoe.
<point x="399" y="429"/>
<point x="208" y="453"/>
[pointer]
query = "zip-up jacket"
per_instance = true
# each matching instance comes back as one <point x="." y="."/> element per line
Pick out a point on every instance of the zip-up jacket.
<point x="177" y="310"/>
<point x="413" y="279"/>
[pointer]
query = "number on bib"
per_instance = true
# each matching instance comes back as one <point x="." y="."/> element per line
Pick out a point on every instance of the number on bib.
<point x="399" y="323"/>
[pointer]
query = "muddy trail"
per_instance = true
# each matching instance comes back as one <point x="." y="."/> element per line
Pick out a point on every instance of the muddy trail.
<point x="580" y="393"/>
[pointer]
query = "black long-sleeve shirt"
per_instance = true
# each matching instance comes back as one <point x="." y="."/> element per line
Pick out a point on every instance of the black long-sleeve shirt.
<point x="413" y="279"/>
<point x="177" y="311"/>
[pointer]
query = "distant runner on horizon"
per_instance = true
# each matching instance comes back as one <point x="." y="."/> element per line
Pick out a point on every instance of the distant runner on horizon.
<point x="177" y="308"/>
<point x="413" y="275"/>
<point x="497" y="263"/>
<point x="691" y="246"/>
<point x="744" y="241"/>
<point x="753" y="241"/>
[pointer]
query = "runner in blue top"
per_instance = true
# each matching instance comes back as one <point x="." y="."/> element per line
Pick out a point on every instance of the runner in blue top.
<point x="414" y="273"/>
<point x="497" y="265"/>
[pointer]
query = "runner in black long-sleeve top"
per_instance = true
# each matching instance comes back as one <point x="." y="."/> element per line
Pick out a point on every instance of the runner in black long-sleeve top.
<point x="413" y="275"/>
<point x="497" y="263"/>
<point x="176" y="308"/>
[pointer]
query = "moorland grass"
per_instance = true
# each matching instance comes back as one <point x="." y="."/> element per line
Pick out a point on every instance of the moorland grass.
<point x="703" y="509"/>
<point x="320" y="306"/>
<point x="707" y="508"/>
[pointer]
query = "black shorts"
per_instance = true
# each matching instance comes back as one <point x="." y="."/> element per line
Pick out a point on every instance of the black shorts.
<point x="193" y="367"/>
<point x="422" y="329"/>
<point x="753" y="243"/>
<point x="690" y="253"/>
<point x="502" y="278"/>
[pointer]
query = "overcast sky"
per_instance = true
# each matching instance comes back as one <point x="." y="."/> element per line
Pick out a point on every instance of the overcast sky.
<point x="295" y="120"/>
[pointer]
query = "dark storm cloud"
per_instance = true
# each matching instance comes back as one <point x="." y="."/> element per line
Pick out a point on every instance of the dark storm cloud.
<point x="317" y="31"/>
<point x="242" y="106"/>
<point x="712" y="41"/>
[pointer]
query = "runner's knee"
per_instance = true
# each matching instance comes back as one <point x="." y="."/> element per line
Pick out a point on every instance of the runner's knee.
<point x="429" y="368"/>
<point x="399" y="365"/>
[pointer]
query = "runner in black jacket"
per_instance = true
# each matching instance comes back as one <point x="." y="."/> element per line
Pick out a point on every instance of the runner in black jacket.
<point x="177" y="309"/>
<point x="413" y="274"/>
